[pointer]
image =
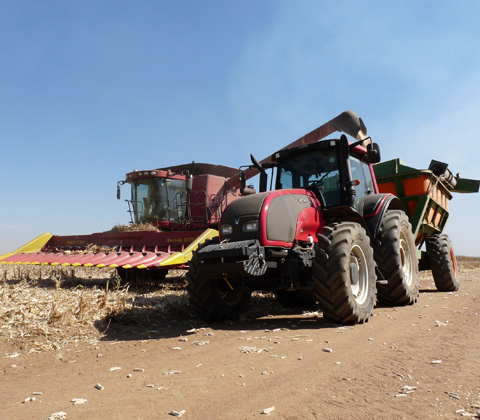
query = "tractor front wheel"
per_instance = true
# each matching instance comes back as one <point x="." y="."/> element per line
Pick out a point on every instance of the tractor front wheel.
<point x="443" y="263"/>
<point x="216" y="300"/>
<point x="397" y="260"/>
<point x="344" y="273"/>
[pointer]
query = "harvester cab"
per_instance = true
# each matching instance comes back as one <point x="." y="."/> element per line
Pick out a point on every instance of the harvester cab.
<point x="158" y="197"/>
<point x="189" y="196"/>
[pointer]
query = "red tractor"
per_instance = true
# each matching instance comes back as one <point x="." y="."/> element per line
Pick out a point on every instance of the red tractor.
<point x="323" y="234"/>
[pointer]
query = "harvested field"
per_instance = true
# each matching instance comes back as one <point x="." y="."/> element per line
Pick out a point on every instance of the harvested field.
<point x="46" y="308"/>
<point x="63" y="330"/>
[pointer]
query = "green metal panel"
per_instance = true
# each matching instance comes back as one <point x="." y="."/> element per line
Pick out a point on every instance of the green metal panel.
<point x="465" y="185"/>
<point x="396" y="172"/>
<point x="391" y="167"/>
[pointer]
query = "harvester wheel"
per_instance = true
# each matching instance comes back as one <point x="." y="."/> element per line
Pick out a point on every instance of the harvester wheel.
<point x="443" y="263"/>
<point x="215" y="300"/>
<point x="139" y="276"/>
<point x="397" y="260"/>
<point x="344" y="273"/>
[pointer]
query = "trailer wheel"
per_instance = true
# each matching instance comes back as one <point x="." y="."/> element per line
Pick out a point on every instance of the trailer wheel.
<point x="443" y="263"/>
<point x="215" y="300"/>
<point x="344" y="273"/>
<point x="397" y="260"/>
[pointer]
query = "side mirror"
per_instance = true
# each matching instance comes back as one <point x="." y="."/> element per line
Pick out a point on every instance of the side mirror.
<point x="242" y="181"/>
<point x="263" y="182"/>
<point x="189" y="185"/>
<point x="244" y="190"/>
<point x="257" y="164"/>
<point x="373" y="151"/>
<point x="119" y="194"/>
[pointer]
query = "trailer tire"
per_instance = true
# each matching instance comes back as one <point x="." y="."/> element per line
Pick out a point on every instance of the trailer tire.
<point x="443" y="263"/>
<point x="397" y="260"/>
<point x="215" y="300"/>
<point x="344" y="273"/>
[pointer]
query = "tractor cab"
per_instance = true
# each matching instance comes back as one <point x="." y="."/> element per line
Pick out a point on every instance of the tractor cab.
<point x="338" y="172"/>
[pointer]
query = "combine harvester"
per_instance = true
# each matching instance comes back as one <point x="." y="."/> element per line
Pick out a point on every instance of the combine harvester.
<point x="184" y="202"/>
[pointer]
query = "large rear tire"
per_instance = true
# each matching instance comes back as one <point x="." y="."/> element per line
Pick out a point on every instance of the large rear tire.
<point x="344" y="273"/>
<point x="443" y="263"/>
<point x="216" y="300"/>
<point x="397" y="260"/>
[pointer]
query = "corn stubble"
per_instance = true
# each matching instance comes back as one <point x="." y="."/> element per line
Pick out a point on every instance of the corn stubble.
<point x="46" y="308"/>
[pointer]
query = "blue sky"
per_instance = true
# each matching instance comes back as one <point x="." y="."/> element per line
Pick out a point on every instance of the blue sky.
<point x="90" y="90"/>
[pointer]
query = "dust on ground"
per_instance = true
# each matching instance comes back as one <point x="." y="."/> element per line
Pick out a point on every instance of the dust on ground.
<point x="82" y="345"/>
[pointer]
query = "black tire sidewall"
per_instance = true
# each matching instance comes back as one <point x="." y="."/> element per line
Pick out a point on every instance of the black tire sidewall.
<point x="205" y="298"/>
<point x="401" y="288"/>
<point x="444" y="267"/>
<point x="331" y="273"/>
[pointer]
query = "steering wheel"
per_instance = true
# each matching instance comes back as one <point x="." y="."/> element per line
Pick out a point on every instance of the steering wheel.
<point x="312" y="186"/>
<point x="315" y="183"/>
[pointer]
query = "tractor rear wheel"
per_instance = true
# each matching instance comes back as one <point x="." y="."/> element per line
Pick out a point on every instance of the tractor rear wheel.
<point x="443" y="263"/>
<point x="344" y="273"/>
<point x="215" y="300"/>
<point x="397" y="260"/>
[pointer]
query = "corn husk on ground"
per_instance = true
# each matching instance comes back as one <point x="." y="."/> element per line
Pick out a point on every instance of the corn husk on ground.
<point x="46" y="308"/>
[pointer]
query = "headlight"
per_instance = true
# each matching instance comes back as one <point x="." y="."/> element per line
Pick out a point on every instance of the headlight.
<point x="226" y="230"/>
<point x="250" y="226"/>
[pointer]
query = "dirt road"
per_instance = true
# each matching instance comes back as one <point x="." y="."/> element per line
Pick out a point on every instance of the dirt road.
<point x="414" y="362"/>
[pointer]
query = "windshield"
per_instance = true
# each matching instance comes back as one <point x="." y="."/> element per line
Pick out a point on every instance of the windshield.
<point x="317" y="169"/>
<point x="159" y="200"/>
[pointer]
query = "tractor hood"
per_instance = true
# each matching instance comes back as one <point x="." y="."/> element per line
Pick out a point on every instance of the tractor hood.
<point x="241" y="218"/>
<point x="276" y="218"/>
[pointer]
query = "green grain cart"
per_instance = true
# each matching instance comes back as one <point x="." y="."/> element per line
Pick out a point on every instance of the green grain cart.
<point x="425" y="195"/>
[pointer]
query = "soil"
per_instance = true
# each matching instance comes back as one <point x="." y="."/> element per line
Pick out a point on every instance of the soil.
<point x="413" y="362"/>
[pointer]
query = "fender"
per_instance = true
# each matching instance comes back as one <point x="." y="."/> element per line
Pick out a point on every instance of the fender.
<point x="375" y="207"/>
<point x="344" y="213"/>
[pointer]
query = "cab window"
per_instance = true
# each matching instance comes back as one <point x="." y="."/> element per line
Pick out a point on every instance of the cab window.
<point x="361" y="171"/>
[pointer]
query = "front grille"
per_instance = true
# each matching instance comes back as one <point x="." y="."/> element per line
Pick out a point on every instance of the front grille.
<point x="229" y="249"/>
